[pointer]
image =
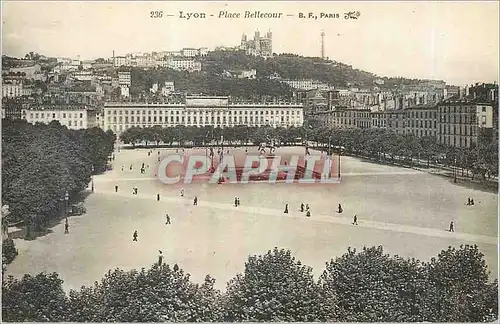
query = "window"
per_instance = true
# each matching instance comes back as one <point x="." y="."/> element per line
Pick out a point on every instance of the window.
<point x="81" y="123"/>
<point x="69" y="123"/>
<point x="483" y="119"/>
<point x="484" y="109"/>
<point x="54" y="115"/>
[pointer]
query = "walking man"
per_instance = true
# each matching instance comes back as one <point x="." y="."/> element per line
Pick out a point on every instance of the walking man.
<point x="135" y="236"/>
<point x="66" y="227"/>
<point x="157" y="197"/>
<point x="235" y="201"/>
<point x="195" y="201"/>
<point x="286" y="209"/>
<point x="301" y="207"/>
<point x="182" y="192"/>
<point x="116" y="188"/>
<point x="160" y="258"/>
<point x="452" y="227"/>
<point x="238" y="201"/>
<point x="307" y="207"/>
<point x="308" y="213"/>
<point x="355" y="220"/>
<point x="340" y="209"/>
<point x="168" y="220"/>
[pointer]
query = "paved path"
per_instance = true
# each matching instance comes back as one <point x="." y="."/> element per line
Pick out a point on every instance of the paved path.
<point x="336" y="219"/>
<point x="348" y="174"/>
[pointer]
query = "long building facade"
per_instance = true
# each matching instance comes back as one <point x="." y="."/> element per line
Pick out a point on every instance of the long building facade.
<point x="459" y="122"/>
<point x="200" y="111"/>
<point x="71" y="116"/>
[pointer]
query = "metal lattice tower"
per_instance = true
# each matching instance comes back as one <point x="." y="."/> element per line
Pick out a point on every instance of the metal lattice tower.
<point x="322" y="44"/>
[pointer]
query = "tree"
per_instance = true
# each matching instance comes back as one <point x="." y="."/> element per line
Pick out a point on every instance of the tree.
<point x="460" y="289"/>
<point x="34" y="299"/>
<point x="276" y="287"/>
<point x="371" y="286"/>
<point x="159" y="294"/>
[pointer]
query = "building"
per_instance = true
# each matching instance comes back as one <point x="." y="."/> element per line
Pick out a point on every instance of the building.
<point x="307" y="84"/>
<point x="200" y="111"/>
<point x="121" y="61"/>
<point x="124" y="91"/>
<point x="168" y="88"/>
<point x="71" y="116"/>
<point x="29" y="71"/>
<point x="393" y="120"/>
<point x="258" y="46"/>
<point x="83" y="76"/>
<point x="459" y="121"/>
<point x="124" y="79"/>
<point x="347" y="118"/>
<point x="190" y="52"/>
<point x="12" y="108"/>
<point x="12" y="90"/>
<point x="422" y="120"/>
<point x="183" y="64"/>
<point x="247" y="74"/>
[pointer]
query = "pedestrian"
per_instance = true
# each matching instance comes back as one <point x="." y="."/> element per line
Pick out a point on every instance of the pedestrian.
<point x="182" y="192"/>
<point x="238" y="201"/>
<point x="116" y="188"/>
<point x="66" y="227"/>
<point x="246" y="151"/>
<point x="167" y="220"/>
<point x="286" y="209"/>
<point x="158" y="152"/>
<point x="355" y="220"/>
<point x="340" y="209"/>
<point x="307" y="207"/>
<point x="122" y="168"/>
<point x="452" y="227"/>
<point x="472" y="201"/>
<point x="135" y="236"/>
<point x="235" y="201"/>
<point x="308" y="213"/>
<point x="149" y="153"/>
<point x="131" y="167"/>
<point x="301" y="207"/>
<point x="160" y="258"/>
<point x="195" y="201"/>
<point x="468" y="201"/>
<point x="157" y="197"/>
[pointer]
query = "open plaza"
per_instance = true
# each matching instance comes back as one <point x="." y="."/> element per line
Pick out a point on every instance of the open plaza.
<point x="406" y="211"/>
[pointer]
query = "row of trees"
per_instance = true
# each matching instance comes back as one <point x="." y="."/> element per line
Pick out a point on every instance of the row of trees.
<point x="40" y="163"/>
<point x="379" y="144"/>
<point x="364" y="287"/>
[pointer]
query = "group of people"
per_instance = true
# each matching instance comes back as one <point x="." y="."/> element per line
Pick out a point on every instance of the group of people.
<point x="307" y="209"/>
<point x="470" y="201"/>
<point x="236" y="201"/>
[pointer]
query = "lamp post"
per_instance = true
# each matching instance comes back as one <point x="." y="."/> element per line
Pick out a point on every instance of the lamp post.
<point x="340" y="153"/>
<point x="329" y="155"/>
<point x="92" y="178"/>
<point x="455" y="171"/>
<point x="66" y="199"/>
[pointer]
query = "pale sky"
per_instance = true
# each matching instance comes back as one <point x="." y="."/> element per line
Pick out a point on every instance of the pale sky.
<point x="452" y="41"/>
